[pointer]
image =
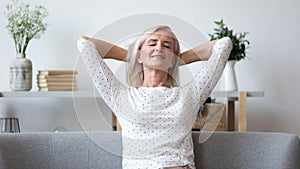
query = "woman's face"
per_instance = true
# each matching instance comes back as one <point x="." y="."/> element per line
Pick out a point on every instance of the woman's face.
<point x="157" y="52"/>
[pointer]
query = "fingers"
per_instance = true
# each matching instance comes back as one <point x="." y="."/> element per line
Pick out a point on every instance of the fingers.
<point x="85" y="37"/>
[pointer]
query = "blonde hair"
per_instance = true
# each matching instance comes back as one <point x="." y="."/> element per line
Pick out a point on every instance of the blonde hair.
<point x="135" y="73"/>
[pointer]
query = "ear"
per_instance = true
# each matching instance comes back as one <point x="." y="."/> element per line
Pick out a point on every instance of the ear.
<point x="139" y="58"/>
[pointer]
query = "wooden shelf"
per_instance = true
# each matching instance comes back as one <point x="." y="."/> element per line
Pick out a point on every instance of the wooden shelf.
<point x="231" y="97"/>
<point x="90" y="93"/>
<point x="63" y="94"/>
<point x="241" y="98"/>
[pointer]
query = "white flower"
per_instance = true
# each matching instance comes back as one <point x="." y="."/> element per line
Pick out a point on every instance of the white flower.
<point x="25" y="24"/>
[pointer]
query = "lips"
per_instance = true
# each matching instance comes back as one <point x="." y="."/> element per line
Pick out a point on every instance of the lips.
<point x="158" y="56"/>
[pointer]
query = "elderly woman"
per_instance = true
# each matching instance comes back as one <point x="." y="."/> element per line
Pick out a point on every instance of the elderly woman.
<point x="156" y="113"/>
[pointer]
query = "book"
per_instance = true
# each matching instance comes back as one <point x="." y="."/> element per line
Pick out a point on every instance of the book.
<point x="57" y="72"/>
<point x="67" y="76"/>
<point x="60" y="88"/>
<point x="57" y="84"/>
<point x="58" y="80"/>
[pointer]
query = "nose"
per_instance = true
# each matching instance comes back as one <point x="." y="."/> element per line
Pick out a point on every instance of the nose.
<point x="158" y="47"/>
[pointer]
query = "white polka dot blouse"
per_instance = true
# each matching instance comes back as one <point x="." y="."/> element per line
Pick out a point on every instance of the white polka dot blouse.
<point x="156" y="122"/>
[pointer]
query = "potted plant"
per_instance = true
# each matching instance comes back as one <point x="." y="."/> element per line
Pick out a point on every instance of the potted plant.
<point x="239" y="45"/>
<point x="24" y="24"/>
<point x="239" y="41"/>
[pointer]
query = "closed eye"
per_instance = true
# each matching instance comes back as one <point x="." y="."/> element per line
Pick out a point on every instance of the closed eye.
<point x="152" y="44"/>
<point x="167" y="46"/>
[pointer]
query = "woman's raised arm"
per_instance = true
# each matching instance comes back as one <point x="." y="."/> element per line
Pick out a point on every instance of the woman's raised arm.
<point x="108" y="50"/>
<point x="199" y="53"/>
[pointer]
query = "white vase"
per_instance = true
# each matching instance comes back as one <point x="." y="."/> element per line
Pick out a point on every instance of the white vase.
<point x="228" y="80"/>
<point x="20" y="73"/>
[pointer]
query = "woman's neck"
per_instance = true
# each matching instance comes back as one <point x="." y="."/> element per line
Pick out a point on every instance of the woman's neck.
<point x="155" y="78"/>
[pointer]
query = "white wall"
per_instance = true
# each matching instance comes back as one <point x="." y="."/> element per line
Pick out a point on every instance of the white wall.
<point x="272" y="64"/>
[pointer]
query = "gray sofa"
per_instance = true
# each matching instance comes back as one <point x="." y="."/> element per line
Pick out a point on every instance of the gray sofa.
<point x="101" y="150"/>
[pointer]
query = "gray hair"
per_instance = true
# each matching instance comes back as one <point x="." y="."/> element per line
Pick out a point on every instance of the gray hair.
<point x="135" y="73"/>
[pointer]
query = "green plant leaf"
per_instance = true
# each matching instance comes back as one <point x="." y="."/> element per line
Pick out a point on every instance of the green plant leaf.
<point x="239" y="41"/>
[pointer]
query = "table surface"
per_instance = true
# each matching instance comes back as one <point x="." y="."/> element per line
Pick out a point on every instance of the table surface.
<point x="235" y="94"/>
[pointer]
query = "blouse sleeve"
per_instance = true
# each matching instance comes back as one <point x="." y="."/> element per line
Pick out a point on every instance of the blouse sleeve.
<point x="207" y="78"/>
<point x="105" y="82"/>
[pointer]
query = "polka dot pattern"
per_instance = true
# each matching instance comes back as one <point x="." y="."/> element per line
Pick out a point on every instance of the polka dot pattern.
<point x="156" y="122"/>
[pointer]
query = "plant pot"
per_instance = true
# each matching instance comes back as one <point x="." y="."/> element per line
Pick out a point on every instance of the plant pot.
<point x="228" y="80"/>
<point x="20" y="73"/>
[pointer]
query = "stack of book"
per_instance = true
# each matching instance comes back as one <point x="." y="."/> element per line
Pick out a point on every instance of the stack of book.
<point x="57" y="80"/>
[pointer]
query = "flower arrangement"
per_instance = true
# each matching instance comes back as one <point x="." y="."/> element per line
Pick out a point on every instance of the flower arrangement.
<point x="239" y="41"/>
<point x="25" y="24"/>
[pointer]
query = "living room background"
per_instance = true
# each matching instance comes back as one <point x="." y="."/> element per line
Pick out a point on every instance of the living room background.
<point x="271" y="64"/>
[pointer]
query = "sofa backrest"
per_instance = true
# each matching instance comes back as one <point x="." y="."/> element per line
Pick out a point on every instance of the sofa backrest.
<point x="61" y="150"/>
<point x="102" y="150"/>
<point x="246" y="150"/>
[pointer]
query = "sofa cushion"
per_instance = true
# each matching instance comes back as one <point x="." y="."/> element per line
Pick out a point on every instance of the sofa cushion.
<point x="249" y="150"/>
